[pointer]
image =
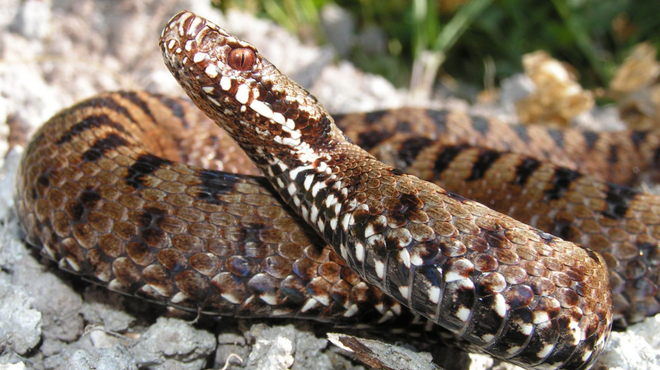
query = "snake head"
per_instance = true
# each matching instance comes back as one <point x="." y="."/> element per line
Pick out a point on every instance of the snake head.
<point x="244" y="93"/>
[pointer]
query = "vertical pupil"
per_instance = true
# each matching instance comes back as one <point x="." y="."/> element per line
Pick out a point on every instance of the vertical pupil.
<point x="241" y="59"/>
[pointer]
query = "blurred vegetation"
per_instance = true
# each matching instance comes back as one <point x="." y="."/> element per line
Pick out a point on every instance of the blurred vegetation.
<point x="466" y="38"/>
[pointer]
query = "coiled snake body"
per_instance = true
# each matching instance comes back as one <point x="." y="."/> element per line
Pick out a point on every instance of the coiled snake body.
<point x="103" y="190"/>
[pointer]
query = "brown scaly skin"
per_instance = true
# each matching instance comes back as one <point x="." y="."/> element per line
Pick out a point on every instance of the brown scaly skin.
<point x="618" y="157"/>
<point x="618" y="222"/>
<point x="511" y="290"/>
<point x="113" y="134"/>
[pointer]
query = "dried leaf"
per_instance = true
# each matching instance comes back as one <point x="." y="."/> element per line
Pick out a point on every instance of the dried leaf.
<point x="557" y="98"/>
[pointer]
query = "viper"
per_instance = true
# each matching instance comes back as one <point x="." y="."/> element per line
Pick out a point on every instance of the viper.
<point x="115" y="189"/>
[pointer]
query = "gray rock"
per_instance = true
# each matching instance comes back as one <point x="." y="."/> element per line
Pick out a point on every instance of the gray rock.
<point x="273" y="348"/>
<point x="57" y="301"/>
<point x="115" y="358"/>
<point x="20" y="325"/>
<point x="105" y="308"/>
<point x="173" y="343"/>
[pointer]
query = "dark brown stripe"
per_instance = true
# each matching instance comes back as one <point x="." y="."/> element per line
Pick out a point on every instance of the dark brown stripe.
<point x="175" y="107"/>
<point x="134" y="98"/>
<point x="145" y="164"/>
<point x="368" y="140"/>
<point x="411" y="148"/>
<point x="525" y="169"/>
<point x="483" y="163"/>
<point x="561" y="182"/>
<point x="445" y="157"/>
<point x="89" y="122"/>
<point x="375" y="116"/>
<point x="618" y="199"/>
<point x="101" y="146"/>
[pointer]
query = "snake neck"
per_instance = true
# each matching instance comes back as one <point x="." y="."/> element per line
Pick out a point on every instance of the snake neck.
<point x="283" y="128"/>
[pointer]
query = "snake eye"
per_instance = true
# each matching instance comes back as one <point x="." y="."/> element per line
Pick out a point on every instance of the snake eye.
<point x="242" y="59"/>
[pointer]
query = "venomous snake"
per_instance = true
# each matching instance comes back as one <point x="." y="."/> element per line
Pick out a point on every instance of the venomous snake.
<point x="104" y="191"/>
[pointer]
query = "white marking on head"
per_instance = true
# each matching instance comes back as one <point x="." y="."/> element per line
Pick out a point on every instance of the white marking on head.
<point x="182" y="21"/>
<point x="171" y="44"/>
<point x="242" y="94"/>
<point x="261" y="108"/>
<point x="290" y="142"/>
<point x="208" y="89"/>
<point x="317" y="187"/>
<point x="192" y="28"/>
<point x="211" y="71"/>
<point x="295" y="171"/>
<point x="225" y="83"/>
<point x="188" y="45"/>
<point x="279" y="118"/>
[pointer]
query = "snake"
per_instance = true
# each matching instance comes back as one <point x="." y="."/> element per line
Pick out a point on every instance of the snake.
<point x="131" y="191"/>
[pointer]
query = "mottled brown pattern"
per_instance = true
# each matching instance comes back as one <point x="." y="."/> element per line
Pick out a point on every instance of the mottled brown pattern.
<point x="341" y="191"/>
<point x="103" y="191"/>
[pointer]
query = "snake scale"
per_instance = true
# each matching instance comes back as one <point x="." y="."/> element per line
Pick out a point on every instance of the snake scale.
<point x="128" y="190"/>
